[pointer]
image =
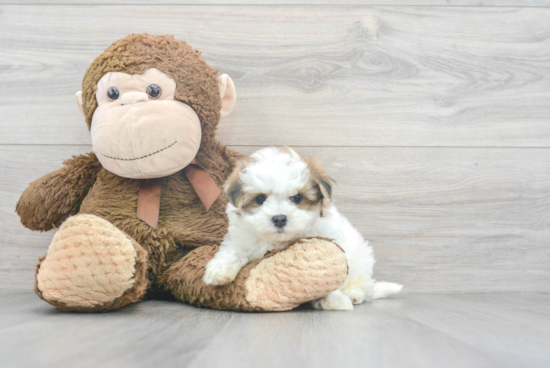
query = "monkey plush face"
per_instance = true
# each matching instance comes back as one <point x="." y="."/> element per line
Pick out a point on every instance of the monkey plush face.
<point x="151" y="103"/>
<point x="139" y="130"/>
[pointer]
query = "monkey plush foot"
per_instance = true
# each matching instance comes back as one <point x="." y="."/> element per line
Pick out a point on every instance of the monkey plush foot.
<point x="91" y="266"/>
<point x="308" y="269"/>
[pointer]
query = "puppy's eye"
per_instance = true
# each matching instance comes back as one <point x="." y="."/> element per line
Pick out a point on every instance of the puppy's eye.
<point x="113" y="93"/>
<point x="261" y="199"/>
<point x="154" y="91"/>
<point x="296" y="199"/>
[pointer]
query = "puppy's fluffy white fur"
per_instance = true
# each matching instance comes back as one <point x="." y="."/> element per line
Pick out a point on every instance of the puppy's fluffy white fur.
<point x="278" y="182"/>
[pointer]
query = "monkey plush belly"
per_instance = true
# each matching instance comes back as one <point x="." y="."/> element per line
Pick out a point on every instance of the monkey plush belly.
<point x="183" y="221"/>
<point x="185" y="216"/>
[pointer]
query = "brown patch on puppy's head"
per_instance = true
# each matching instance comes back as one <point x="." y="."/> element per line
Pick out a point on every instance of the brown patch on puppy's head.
<point x="233" y="185"/>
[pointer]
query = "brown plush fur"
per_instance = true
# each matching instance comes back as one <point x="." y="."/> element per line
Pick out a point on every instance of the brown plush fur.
<point x="195" y="79"/>
<point x="48" y="201"/>
<point x="187" y="236"/>
<point x="185" y="278"/>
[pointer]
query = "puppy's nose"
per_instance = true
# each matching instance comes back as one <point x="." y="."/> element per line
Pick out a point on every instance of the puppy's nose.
<point x="279" y="220"/>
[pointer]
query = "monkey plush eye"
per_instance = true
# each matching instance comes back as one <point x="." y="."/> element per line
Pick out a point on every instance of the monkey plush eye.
<point x="154" y="91"/>
<point x="296" y="199"/>
<point x="261" y="199"/>
<point x="113" y="93"/>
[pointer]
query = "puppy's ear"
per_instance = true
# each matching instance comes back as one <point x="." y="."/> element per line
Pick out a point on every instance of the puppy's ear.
<point x="233" y="185"/>
<point x="322" y="180"/>
<point x="233" y="192"/>
<point x="325" y="184"/>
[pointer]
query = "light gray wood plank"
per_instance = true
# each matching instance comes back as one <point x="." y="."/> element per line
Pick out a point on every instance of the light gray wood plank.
<point x="380" y="335"/>
<point x="490" y="323"/>
<point x="441" y="220"/>
<point x="305" y="75"/>
<point x="517" y="3"/>
<point x="154" y="333"/>
<point x="366" y="337"/>
<point x="410" y="331"/>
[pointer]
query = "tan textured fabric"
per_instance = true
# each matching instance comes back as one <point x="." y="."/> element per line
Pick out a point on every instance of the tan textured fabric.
<point x="138" y="137"/>
<point x="89" y="263"/>
<point x="309" y="269"/>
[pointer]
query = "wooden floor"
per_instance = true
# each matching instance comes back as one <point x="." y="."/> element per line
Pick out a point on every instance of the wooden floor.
<point x="413" y="331"/>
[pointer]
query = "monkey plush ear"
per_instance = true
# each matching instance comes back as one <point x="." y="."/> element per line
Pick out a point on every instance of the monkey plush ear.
<point x="227" y="94"/>
<point x="79" y="101"/>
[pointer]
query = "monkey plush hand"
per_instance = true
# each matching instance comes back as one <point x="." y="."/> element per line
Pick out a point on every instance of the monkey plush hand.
<point x="142" y="215"/>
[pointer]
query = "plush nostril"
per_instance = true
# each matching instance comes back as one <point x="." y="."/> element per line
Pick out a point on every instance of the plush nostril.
<point x="279" y="220"/>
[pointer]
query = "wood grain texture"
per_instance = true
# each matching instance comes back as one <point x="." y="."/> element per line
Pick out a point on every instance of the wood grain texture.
<point x="305" y="75"/>
<point x="441" y="220"/>
<point x="411" y="331"/>
<point x="516" y="3"/>
<point x="140" y="336"/>
<point x="488" y="323"/>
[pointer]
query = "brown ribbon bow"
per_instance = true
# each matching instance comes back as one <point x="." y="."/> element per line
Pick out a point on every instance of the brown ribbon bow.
<point x="148" y="207"/>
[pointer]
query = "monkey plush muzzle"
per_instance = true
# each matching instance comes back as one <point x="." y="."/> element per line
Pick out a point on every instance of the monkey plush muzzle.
<point x="140" y="135"/>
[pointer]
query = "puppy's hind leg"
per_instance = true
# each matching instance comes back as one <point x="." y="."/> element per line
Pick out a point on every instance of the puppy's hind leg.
<point x="358" y="290"/>
<point x="359" y="283"/>
<point x="333" y="301"/>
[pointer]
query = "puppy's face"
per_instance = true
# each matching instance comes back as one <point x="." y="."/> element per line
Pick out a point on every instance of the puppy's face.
<point x="278" y="194"/>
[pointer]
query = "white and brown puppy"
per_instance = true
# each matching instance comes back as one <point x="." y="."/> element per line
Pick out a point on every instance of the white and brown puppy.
<point x="276" y="197"/>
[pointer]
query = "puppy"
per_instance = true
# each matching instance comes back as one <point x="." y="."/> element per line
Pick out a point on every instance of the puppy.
<point x="275" y="197"/>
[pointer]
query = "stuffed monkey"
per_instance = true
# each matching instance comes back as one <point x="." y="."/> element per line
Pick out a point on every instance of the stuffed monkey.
<point x="142" y="215"/>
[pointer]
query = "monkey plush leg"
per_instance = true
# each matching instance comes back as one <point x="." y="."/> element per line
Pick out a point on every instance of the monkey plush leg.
<point x="306" y="270"/>
<point x="91" y="266"/>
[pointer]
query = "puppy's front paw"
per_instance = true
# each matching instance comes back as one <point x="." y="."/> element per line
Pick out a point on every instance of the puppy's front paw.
<point x="333" y="301"/>
<point x="218" y="273"/>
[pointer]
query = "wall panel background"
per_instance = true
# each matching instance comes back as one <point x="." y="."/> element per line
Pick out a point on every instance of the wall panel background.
<point x="434" y="120"/>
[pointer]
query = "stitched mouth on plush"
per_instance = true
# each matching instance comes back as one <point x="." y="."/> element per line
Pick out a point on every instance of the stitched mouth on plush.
<point x="142" y="157"/>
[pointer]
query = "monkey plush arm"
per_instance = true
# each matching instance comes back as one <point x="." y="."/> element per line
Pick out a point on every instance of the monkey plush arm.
<point x="48" y="201"/>
<point x="307" y="269"/>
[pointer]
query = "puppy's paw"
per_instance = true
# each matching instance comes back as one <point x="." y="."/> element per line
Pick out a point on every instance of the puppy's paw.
<point x="334" y="301"/>
<point x="218" y="273"/>
<point x="356" y="295"/>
